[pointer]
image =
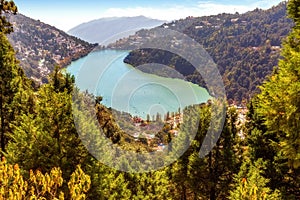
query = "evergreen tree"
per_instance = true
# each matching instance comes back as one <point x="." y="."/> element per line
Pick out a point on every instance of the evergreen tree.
<point x="275" y="117"/>
<point x="48" y="138"/>
<point x="250" y="184"/>
<point x="208" y="177"/>
<point x="6" y="7"/>
<point x="14" y="186"/>
<point x="279" y="100"/>
<point x="14" y="90"/>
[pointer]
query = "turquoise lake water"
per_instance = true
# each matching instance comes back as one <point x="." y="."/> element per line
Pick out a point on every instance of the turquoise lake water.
<point x="127" y="89"/>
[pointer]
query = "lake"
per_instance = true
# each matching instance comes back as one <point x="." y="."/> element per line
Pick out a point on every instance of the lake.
<point x="124" y="88"/>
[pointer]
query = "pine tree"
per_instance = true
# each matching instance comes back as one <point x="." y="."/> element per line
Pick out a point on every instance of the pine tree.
<point x="275" y="117"/>
<point x="14" y="90"/>
<point x="205" y="177"/>
<point x="7" y="7"/>
<point x="115" y="186"/>
<point x="14" y="186"/>
<point x="279" y="99"/>
<point x="209" y="177"/>
<point x="249" y="183"/>
<point x="48" y="138"/>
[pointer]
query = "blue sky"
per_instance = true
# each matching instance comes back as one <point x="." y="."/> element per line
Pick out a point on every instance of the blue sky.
<point x="65" y="14"/>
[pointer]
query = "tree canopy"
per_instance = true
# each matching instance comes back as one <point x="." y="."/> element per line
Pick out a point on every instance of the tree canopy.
<point x="10" y="8"/>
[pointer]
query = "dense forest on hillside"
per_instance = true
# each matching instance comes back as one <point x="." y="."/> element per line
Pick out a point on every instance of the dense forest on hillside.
<point x="53" y="136"/>
<point x="245" y="47"/>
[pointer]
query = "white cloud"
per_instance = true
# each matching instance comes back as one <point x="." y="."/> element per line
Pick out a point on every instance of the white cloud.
<point x="67" y="19"/>
<point x="176" y="12"/>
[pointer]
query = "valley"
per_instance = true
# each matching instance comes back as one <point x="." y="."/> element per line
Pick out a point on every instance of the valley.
<point x="148" y="116"/>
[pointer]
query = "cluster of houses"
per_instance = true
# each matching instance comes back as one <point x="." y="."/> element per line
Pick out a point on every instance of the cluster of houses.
<point x="241" y="119"/>
<point x="44" y="48"/>
<point x="150" y="138"/>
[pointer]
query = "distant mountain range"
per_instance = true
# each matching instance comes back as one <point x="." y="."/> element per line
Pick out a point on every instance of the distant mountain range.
<point x="107" y="30"/>
<point x="40" y="47"/>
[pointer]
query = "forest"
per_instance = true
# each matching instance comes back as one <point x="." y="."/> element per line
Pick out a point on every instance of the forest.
<point x="245" y="47"/>
<point x="45" y="132"/>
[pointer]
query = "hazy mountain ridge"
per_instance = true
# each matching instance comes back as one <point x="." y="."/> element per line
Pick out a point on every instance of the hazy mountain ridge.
<point x="40" y="47"/>
<point x="108" y="30"/>
<point x="246" y="47"/>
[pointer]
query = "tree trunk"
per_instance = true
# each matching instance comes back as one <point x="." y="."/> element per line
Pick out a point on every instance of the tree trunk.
<point x="2" y="129"/>
<point x="183" y="195"/>
<point x="212" y="192"/>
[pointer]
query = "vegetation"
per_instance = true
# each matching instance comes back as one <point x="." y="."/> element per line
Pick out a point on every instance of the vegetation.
<point x="39" y="47"/>
<point x="7" y="7"/>
<point x="45" y="156"/>
<point x="40" y="186"/>
<point x="245" y="47"/>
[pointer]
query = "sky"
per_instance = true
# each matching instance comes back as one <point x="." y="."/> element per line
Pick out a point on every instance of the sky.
<point x="66" y="14"/>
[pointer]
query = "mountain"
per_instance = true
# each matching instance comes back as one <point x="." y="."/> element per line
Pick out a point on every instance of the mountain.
<point x="245" y="47"/>
<point x="40" y="47"/>
<point x="108" y="30"/>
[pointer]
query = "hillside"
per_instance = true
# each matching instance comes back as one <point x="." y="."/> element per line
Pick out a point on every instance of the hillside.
<point x="108" y="30"/>
<point x="40" y="47"/>
<point x="246" y="47"/>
